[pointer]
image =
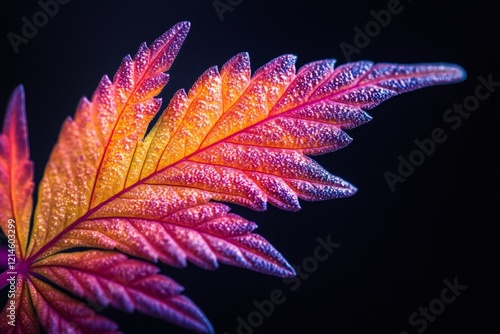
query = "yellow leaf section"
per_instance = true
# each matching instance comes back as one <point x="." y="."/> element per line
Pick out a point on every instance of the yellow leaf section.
<point x="216" y="107"/>
<point x="91" y="159"/>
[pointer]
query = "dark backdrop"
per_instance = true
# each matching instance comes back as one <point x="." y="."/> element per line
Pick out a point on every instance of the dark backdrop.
<point x="397" y="247"/>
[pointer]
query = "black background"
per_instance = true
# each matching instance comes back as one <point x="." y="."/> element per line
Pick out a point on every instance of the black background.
<point x="396" y="247"/>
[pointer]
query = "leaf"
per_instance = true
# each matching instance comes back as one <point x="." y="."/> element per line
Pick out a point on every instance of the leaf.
<point x="87" y="163"/>
<point x="59" y="313"/>
<point x="16" y="173"/>
<point x="18" y="316"/>
<point x="204" y="234"/>
<point x="111" y="185"/>
<point x="64" y="194"/>
<point x="110" y="279"/>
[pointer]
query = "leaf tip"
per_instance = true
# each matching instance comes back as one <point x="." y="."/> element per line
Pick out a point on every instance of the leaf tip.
<point x="15" y="104"/>
<point x="353" y="190"/>
<point x="290" y="59"/>
<point x="182" y="28"/>
<point x="183" y="25"/>
<point x="348" y="190"/>
<point x="450" y="73"/>
<point x="458" y="71"/>
<point x="289" y="272"/>
<point x="19" y="90"/>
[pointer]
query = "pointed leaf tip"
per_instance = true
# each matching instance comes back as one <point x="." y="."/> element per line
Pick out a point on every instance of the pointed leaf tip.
<point x="166" y="47"/>
<point x="16" y="170"/>
<point x="15" y="105"/>
<point x="184" y="24"/>
<point x="458" y="72"/>
<point x="15" y="124"/>
<point x="448" y="72"/>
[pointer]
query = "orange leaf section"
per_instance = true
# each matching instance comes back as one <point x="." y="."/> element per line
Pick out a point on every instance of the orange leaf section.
<point x="91" y="160"/>
<point x="220" y="139"/>
<point x="16" y="173"/>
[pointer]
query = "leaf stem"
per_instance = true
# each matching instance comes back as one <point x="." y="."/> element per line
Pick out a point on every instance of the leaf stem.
<point x="19" y="268"/>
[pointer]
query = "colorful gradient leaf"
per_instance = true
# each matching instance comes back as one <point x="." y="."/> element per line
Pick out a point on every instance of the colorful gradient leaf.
<point x="112" y="190"/>
<point x="16" y="172"/>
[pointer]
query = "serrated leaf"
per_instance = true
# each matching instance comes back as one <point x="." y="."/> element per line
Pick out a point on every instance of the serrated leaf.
<point x="18" y="316"/>
<point x="16" y="173"/>
<point x="234" y="137"/>
<point x="110" y="279"/>
<point x="204" y="234"/>
<point x="59" y="313"/>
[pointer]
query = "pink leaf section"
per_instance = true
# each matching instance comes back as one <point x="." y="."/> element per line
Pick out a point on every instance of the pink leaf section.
<point x="204" y="234"/>
<point x="19" y="311"/>
<point x="59" y="313"/>
<point x="16" y="173"/>
<point x="110" y="279"/>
